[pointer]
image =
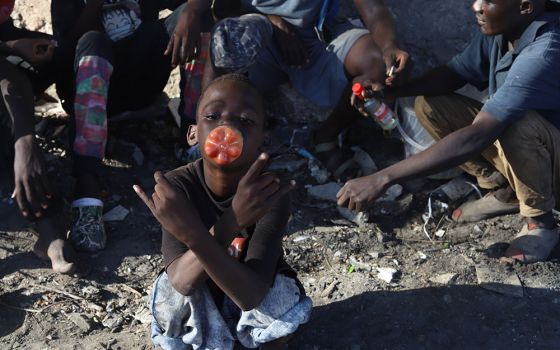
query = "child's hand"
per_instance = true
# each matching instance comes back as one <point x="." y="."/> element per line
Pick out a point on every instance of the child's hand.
<point x="257" y="193"/>
<point x="170" y="207"/>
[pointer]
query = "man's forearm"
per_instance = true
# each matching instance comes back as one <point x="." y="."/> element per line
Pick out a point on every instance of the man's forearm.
<point x="453" y="150"/>
<point x="379" y="20"/>
<point x="439" y="81"/>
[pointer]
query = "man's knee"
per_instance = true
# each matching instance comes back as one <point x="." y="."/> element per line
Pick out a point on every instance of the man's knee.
<point x="424" y="110"/>
<point x="365" y="60"/>
<point x="94" y="43"/>
<point x="529" y="129"/>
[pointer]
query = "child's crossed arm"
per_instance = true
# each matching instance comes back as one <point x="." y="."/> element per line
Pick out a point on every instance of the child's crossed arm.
<point x="257" y="193"/>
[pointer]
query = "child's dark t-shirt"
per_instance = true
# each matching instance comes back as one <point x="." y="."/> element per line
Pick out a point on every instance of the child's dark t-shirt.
<point x="254" y="243"/>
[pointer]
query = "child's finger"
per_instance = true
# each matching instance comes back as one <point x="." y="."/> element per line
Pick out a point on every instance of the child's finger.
<point x="169" y="47"/>
<point x="258" y="166"/>
<point x="264" y="180"/>
<point x="270" y="189"/>
<point x="160" y="179"/>
<point x="144" y="197"/>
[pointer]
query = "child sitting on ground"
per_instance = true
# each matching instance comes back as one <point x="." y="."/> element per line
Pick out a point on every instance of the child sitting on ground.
<point x="223" y="220"/>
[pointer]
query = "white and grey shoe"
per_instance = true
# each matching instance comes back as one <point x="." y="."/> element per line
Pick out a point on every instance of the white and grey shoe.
<point x="88" y="231"/>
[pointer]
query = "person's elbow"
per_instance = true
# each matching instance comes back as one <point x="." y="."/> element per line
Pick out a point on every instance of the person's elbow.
<point x="182" y="286"/>
<point x="253" y="300"/>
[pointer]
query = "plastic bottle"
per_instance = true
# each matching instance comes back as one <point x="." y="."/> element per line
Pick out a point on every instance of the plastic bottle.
<point x="376" y="109"/>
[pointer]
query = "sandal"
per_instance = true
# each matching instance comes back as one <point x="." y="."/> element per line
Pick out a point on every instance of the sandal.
<point x="533" y="244"/>
<point x="341" y="164"/>
<point x="484" y="208"/>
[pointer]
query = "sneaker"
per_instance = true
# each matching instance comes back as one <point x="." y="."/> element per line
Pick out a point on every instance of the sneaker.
<point x="88" y="232"/>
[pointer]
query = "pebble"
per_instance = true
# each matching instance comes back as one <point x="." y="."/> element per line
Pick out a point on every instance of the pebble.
<point x="361" y="219"/>
<point x="118" y="213"/>
<point x="80" y="320"/>
<point x="359" y="265"/>
<point x="330" y="288"/>
<point x="113" y="322"/>
<point x="386" y="274"/>
<point x="498" y="279"/>
<point x="445" y="278"/>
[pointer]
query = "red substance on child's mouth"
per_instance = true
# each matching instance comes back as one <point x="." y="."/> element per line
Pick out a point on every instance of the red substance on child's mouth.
<point x="223" y="145"/>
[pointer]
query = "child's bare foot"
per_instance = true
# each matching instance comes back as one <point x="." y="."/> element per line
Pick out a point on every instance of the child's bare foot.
<point x="50" y="245"/>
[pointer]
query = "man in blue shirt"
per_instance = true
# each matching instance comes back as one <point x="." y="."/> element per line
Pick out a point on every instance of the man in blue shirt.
<point x="517" y="57"/>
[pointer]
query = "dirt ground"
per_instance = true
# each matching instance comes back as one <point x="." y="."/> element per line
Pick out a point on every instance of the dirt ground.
<point x="449" y="291"/>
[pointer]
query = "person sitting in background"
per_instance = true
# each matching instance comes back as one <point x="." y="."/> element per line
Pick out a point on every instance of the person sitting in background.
<point x="517" y="57"/>
<point x="29" y="64"/>
<point x="123" y="57"/>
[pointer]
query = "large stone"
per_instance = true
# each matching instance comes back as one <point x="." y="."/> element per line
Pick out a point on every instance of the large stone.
<point x="326" y="192"/>
<point x="497" y="278"/>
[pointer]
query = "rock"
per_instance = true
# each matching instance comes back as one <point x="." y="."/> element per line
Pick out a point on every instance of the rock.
<point x="440" y="233"/>
<point x="143" y="315"/>
<point x="80" y="320"/>
<point x="445" y="278"/>
<point x="500" y="280"/>
<point x="391" y="194"/>
<point x="360" y="266"/>
<point x="386" y="274"/>
<point x="361" y="219"/>
<point x="326" y="192"/>
<point x="301" y="238"/>
<point x="118" y="213"/>
<point x="326" y="229"/>
<point x="367" y="165"/>
<point x="329" y="289"/>
<point x="113" y="322"/>
<point x="383" y="237"/>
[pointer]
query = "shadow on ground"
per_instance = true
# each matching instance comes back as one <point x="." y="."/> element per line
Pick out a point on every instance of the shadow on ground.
<point x="455" y="317"/>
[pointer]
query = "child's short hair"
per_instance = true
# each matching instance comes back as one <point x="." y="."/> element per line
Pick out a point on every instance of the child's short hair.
<point x="239" y="78"/>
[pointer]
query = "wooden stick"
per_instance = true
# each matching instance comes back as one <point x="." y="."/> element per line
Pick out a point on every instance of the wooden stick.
<point x="70" y="295"/>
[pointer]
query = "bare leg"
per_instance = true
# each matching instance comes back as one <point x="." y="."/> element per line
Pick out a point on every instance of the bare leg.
<point x="363" y="62"/>
<point x="52" y="245"/>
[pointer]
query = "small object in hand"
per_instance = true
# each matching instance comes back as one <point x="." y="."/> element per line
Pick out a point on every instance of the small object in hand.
<point x="391" y="71"/>
<point x="224" y="145"/>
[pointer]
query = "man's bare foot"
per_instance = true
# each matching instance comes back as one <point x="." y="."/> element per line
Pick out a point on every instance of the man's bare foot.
<point x="50" y="245"/>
